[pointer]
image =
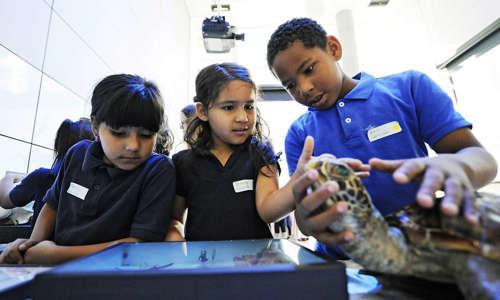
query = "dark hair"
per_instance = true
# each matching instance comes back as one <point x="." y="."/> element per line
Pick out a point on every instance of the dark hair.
<point x="69" y="133"/>
<point x="210" y="81"/>
<point x="306" y="30"/>
<point x="124" y="100"/>
<point x="164" y="142"/>
<point x="188" y="111"/>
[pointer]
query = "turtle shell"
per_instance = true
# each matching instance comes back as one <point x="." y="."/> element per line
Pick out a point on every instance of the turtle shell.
<point x="428" y="228"/>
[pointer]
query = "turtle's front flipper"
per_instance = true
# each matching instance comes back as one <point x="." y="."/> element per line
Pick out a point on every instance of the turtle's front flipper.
<point x="479" y="278"/>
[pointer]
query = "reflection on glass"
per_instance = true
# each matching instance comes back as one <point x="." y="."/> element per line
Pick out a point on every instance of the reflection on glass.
<point x="251" y="255"/>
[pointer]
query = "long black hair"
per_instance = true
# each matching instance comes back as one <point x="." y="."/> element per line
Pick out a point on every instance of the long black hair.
<point x="124" y="100"/>
<point x="210" y="81"/>
<point x="68" y="134"/>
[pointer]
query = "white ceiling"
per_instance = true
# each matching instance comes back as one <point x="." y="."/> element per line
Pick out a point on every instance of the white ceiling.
<point x="261" y="13"/>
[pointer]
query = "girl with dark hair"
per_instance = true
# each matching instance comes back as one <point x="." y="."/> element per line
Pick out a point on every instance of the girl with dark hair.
<point x="70" y="133"/>
<point x="228" y="179"/>
<point x="111" y="190"/>
<point x="34" y="186"/>
<point x="188" y="112"/>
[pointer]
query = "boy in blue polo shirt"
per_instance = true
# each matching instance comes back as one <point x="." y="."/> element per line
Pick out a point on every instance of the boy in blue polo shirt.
<point x="365" y="117"/>
<point x="107" y="191"/>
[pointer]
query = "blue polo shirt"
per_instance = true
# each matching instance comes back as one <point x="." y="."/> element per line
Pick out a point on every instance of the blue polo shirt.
<point x="221" y="199"/>
<point x="408" y="106"/>
<point x="97" y="202"/>
<point x="33" y="188"/>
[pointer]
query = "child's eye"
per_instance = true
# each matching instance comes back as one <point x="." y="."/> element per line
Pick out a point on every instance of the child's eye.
<point x="249" y="106"/>
<point x="118" y="133"/>
<point x="290" y="86"/>
<point x="309" y="69"/>
<point x="147" y="135"/>
<point x="227" y="107"/>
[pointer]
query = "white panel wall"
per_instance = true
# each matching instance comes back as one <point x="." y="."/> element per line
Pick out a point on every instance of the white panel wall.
<point x="54" y="97"/>
<point x="23" y="28"/>
<point x="19" y="86"/>
<point x="52" y="53"/>
<point x="15" y="155"/>
<point x="71" y="61"/>
<point x="40" y="158"/>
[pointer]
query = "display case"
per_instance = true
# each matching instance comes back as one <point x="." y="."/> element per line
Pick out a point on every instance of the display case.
<point x="244" y="269"/>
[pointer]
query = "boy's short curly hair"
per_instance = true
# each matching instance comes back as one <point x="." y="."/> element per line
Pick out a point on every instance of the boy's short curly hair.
<point x="308" y="31"/>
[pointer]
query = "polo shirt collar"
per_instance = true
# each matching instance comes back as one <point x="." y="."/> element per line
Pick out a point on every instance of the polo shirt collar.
<point x="363" y="90"/>
<point x="94" y="159"/>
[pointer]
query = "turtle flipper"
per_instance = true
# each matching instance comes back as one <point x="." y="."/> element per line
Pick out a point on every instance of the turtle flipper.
<point x="479" y="278"/>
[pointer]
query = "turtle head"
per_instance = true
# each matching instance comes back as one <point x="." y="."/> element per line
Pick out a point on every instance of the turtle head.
<point x="351" y="190"/>
<point x="330" y="169"/>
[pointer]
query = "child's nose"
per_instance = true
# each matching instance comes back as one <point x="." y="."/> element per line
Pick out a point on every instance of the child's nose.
<point x="133" y="142"/>
<point x="305" y="88"/>
<point x="241" y="115"/>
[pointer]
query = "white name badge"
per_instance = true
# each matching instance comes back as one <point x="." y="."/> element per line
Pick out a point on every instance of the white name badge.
<point x="243" y="185"/>
<point x="77" y="190"/>
<point x="383" y="130"/>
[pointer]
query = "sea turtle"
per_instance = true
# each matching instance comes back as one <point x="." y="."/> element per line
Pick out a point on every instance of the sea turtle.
<point x="416" y="241"/>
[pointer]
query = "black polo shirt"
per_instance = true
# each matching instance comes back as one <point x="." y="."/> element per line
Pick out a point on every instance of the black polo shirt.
<point x="97" y="202"/>
<point x="33" y="188"/>
<point x="221" y="199"/>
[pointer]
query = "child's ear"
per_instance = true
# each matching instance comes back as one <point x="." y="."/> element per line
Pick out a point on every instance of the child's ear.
<point x="94" y="126"/>
<point x="201" y="111"/>
<point x="333" y="47"/>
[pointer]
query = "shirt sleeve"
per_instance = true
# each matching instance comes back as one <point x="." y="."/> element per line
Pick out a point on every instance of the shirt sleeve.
<point x="154" y="210"/>
<point x="436" y="113"/>
<point x="179" y="186"/>
<point x="268" y="157"/>
<point x="54" y="192"/>
<point x="26" y="191"/>
<point x="294" y="142"/>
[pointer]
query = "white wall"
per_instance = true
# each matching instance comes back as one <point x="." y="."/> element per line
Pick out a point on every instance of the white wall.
<point x="450" y="23"/>
<point x="52" y="53"/>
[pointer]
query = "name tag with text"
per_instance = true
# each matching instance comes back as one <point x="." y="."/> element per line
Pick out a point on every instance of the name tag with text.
<point x="77" y="190"/>
<point x="243" y="185"/>
<point x="383" y="130"/>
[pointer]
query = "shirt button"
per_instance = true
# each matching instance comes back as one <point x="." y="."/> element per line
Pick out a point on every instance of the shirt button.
<point x="348" y="120"/>
<point x="97" y="187"/>
<point x="341" y="104"/>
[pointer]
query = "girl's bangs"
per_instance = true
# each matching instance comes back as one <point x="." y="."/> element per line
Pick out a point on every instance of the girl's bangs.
<point x="135" y="111"/>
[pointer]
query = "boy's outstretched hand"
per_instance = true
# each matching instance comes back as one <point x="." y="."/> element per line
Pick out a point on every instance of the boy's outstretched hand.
<point x="307" y="201"/>
<point x="441" y="172"/>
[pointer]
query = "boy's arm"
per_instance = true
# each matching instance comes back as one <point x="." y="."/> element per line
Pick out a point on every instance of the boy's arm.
<point x="479" y="164"/>
<point x="176" y="230"/>
<point x="48" y="253"/>
<point x="461" y="166"/>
